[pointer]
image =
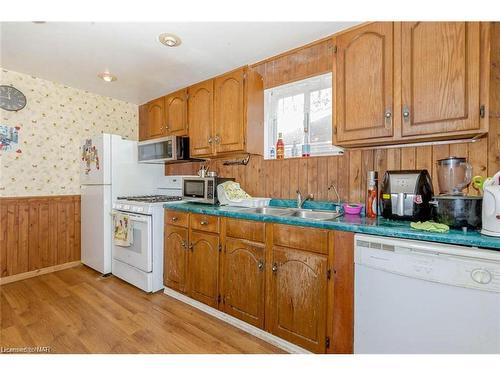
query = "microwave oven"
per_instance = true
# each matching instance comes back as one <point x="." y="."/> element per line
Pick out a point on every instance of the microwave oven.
<point x="202" y="189"/>
<point x="169" y="149"/>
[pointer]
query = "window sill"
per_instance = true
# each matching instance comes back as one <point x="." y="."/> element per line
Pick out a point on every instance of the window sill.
<point x="339" y="153"/>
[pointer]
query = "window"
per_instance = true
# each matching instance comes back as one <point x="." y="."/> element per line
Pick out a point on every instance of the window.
<point x="302" y="111"/>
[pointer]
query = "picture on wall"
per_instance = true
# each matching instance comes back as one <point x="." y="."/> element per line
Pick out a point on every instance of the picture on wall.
<point x="9" y="138"/>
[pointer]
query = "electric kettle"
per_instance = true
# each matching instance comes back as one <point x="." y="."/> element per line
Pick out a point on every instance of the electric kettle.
<point x="491" y="207"/>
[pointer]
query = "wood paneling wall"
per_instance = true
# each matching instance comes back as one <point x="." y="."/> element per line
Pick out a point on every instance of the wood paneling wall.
<point x="307" y="61"/>
<point x="494" y="112"/>
<point x="38" y="232"/>
<point x="281" y="178"/>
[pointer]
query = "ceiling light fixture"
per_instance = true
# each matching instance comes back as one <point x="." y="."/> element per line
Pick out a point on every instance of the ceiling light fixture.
<point x="169" y="40"/>
<point x="107" y="77"/>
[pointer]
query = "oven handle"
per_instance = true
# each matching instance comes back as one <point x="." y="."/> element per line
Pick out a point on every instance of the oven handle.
<point x="139" y="218"/>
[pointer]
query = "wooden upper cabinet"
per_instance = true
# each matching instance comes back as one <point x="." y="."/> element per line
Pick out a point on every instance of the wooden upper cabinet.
<point x="229" y="112"/>
<point x="299" y="297"/>
<point x="155" y="118"/>
<point x="201" y="119"/>
<point x="243" y="281"/>
<point x="364" y="83"/>
<point x="239" y="112"/>
<point x="143" y="122"/>
<point x="204" y="267"/>
<point x="440" y="79"/>
<point x="175" y="258"/>
<point x="176" y="119"/>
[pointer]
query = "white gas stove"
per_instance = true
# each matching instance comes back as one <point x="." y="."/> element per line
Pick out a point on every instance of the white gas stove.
<point x="141" y="263"/>
<point x="144" y="204"/>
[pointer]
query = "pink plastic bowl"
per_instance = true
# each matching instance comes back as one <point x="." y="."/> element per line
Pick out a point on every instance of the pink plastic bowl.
<point x="352" y="208"/>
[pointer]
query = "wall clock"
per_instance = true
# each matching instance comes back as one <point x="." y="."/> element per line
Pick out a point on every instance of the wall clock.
<point x="11" y="99"/>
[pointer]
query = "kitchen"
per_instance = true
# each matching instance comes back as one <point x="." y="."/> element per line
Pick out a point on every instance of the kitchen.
<point x="282" y="200"/>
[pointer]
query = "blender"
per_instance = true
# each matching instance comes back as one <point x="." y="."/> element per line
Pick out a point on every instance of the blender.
<point x="454" y="174"/>
<point x="451" y="206"/>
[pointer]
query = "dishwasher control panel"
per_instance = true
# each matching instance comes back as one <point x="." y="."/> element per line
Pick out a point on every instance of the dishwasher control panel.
<point x="447" y="264"/>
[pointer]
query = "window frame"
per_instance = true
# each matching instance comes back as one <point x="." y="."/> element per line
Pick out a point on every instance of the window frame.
<point x="288" y="90"/>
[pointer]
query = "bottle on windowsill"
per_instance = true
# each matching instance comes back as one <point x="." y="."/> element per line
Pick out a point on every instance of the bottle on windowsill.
<point x="272" y="153"/>
<point x="306" y="147"/>
<point x="280" y="147"/>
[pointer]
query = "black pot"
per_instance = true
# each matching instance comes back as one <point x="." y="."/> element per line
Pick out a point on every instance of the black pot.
<point x="457" y="211"/>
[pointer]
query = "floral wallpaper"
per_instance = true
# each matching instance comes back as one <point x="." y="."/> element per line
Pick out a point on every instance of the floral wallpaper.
<point x="50" y="131"/>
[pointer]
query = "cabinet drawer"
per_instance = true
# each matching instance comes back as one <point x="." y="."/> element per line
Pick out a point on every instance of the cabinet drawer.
<point x="309" y="239"/>
<point x="178" y="218"/>
<point x="246" y="229"/>
<point x="205" y="223"/>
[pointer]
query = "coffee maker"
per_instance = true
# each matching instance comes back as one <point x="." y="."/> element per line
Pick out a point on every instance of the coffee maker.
<point x="405" y="195"/>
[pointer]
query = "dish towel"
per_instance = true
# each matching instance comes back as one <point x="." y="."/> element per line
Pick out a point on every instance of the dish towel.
<point x="122" y="230"/>
<point x="430" y="226"/>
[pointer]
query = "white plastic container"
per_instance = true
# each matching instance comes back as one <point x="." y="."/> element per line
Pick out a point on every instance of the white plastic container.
<point x="249" y="202"/>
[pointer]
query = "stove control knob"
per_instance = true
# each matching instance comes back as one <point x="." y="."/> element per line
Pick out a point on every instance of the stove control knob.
<point x="140" y="209"/>
<point x="126" y="207"/>
<point x="481" y="276"/>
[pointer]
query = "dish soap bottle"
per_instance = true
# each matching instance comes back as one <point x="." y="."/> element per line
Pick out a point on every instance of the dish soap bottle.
<point x="280" y="147"/>
<point x="372" y="194"/>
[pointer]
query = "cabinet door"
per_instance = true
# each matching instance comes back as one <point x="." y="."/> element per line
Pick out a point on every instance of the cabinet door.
<point x="243" y="280"/>
<point x="364" y="83"/>
<point x="204" y="267"/>
<point x="201" y="118"/>
<point x="440" y="77"/>
<point x="229" y="112"/>
<point x="143" y="122"/>
<point x="175" y="258"/>
<point x="155" y="118"/>
<point x="176" y="113"/>
<point x="298" y="297"/>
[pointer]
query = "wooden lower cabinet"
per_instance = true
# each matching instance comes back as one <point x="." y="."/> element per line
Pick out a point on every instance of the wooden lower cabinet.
<point x="204" y="267"/>
<point x="295" y="282"/>
<point x="298" y="297"/>
<point x="243" y="289"/>
<point x="175" y="258"/>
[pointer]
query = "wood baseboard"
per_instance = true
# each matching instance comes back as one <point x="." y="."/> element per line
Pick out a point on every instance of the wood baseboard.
<point x="254" y="331"/>
<point x="41" y="271"/>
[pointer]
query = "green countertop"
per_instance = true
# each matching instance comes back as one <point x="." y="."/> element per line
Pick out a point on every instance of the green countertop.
<point x="349" y="223"/>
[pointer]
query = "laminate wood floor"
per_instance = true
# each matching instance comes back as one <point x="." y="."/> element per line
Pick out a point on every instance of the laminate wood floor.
<point x="78" y="311"/>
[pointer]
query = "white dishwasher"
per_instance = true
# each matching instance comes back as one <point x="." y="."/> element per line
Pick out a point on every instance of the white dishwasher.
<point x="424" y="297"/>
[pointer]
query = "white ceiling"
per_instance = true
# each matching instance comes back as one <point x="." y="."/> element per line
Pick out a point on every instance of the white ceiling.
<point x="73" y="53"/>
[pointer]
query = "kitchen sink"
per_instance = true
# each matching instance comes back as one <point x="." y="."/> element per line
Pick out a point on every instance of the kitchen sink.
<point x="316" y="215"/>
<point x="269" y="211"/>
<point x="295" y="212"/>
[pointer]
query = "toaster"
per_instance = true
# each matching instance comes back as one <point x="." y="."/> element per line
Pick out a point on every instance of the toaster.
<point x="405" y="195"/>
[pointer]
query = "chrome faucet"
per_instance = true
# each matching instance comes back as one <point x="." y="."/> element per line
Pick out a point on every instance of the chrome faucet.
<point x="334" y="188"/>
<point x="301" y="201"/>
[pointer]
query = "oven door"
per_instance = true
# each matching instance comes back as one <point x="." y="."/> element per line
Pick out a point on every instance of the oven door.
<point x="194" y="189"/>
<point x="140" y="252"/>
<point x="157" y="150"/>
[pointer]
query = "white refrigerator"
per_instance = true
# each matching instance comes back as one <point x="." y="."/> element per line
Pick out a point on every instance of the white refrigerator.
<point x="108" y="169"/>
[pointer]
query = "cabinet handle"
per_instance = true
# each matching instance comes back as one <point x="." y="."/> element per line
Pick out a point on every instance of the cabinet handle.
<point x="388" y="118"/>
<point x="275" y="268"/>
<point x="217" y="139"/>
<point x="191" y="247"/>
<point x="406" y="113"/>
<point x="175" y="218"/>
<point x="260" y="265"/>
<point x="209" y="140"/>
<point x="204" y="222"/>
<point x="184" y="244"/>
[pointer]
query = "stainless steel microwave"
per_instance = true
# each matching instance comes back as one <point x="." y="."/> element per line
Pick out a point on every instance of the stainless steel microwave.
<point x="202" y="189"/>
<point x="164" y="150"/>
